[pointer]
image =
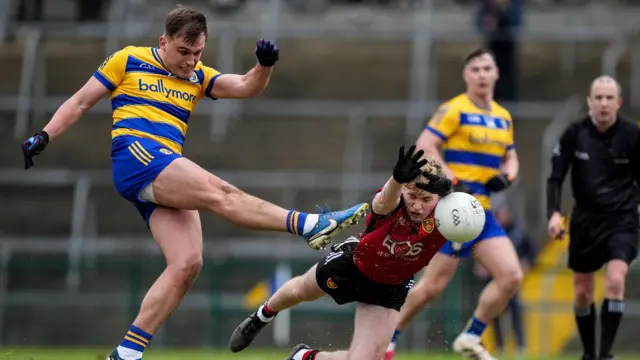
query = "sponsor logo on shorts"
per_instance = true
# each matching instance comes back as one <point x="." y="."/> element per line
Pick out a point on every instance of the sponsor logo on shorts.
<point x="428" y="225"/>
<point x="165" y="151"/>
<point x="331" y="284"/>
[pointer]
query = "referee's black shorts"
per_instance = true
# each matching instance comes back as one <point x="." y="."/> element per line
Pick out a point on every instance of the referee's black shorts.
<point x="596" y="239"/>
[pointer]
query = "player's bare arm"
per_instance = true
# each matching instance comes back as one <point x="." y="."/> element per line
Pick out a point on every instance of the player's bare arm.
<point x="76" y="106"/>
<point x="233" y="86"/>
<point x="253" y="82"/>
<point x="430" y="144"/>
<point x="510" y="164"/>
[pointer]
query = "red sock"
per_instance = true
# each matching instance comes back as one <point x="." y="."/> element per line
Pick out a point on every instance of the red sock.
<point x="310" y="354"/>
<point x="268" y="313"/>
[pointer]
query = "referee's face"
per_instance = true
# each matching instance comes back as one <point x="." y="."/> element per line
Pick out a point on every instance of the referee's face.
<point x="604" y="101"/>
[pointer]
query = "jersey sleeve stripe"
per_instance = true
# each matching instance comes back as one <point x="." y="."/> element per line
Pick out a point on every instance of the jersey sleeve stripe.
<point x="472" y="158"/>
<point x="124" y="100"/>
<point x="207" y="92"/>
<point x="156" y="128"/>
<point x="437" y="133"/>
<point x="511" y="147"/>
<point x="103" y="79"/>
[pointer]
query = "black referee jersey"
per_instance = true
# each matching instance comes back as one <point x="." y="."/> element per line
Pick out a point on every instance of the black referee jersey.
<point x="604" y="167"/>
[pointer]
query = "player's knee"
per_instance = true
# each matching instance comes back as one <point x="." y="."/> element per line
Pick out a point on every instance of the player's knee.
<point x="299" y="290"/>
<point x="510" y="281"/>
<point x="427" y="291"/>
<point x="187" y="267"/>
<point x="615" y="284"/>
<point x="219" y="196"/>
<point x="584" y="294"/>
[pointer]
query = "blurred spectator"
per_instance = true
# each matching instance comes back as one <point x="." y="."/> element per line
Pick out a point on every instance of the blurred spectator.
<point x="90" y="10"/>
<point x="29" y="10"/>
<point x="525" y="247"/>
<point x="499" y="21"/>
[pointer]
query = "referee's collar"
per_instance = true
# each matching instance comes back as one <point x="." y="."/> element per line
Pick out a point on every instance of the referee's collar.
<point x="608" y="131"/>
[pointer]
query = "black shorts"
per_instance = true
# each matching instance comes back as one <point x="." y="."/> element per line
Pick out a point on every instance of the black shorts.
<point x="341" y="279"/>
<point x="595" y="239"/>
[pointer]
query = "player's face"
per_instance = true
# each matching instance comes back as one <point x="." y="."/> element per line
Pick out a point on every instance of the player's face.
<point x="419" y="203"/>
<point x="481" y="74"/>
<point x="180" y="57"/>
<point x="604" y="102"/>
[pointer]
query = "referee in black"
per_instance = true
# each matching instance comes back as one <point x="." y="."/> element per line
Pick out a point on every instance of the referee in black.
<point x="603" y="151"/>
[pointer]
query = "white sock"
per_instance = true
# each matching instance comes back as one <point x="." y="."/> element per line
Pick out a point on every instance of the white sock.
<point x="310" y="222"/>
<point x="391" y="347"/>
<point x="300" y="354"/>
<point x="262" y="317"/>
<point x="129" y="354"/>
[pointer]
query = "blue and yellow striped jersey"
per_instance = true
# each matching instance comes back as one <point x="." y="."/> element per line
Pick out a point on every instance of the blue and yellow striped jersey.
<point x="147" y="100"/>
<point x="474" y="141"/>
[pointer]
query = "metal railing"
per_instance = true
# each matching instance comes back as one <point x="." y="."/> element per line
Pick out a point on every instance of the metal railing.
<point x="25" y="92"/>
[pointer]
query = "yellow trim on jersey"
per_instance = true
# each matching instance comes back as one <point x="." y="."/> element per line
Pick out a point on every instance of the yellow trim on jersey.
<point x="171" y="145"/>
<point x="152" y="114"/>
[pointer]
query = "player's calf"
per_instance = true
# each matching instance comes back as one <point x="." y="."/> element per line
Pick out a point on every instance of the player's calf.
<point x="185" y="185"/>
<point x="299" y="289"/>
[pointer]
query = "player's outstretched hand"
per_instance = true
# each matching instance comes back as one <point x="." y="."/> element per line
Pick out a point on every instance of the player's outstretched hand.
<point x="498" y="183"/>
<point x="408" y="166"/>
<point x="34" y="146"/>
<point x="437" y="185"/>
<point x="267" y="52"/>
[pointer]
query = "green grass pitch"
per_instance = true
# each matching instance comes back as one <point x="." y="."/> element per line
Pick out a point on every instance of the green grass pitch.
<point x="189" y="354"/>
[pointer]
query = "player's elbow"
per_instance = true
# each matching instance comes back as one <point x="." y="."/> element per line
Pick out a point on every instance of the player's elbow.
<point x="379" y="208"/>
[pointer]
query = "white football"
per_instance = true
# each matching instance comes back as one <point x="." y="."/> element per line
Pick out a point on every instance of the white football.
<point x="459" y="217"/>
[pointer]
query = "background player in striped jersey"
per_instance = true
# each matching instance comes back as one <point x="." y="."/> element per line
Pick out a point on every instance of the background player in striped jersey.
<point x="477" y="136"/>
<point x="375" y="270"/>
<point x="153" y="91"/>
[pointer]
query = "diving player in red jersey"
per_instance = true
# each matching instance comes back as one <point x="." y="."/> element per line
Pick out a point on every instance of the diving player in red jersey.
<point x="375" y="270"/>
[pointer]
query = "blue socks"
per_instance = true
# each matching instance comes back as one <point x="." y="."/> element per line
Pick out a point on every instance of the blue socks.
<point x="296" y="221"/>
<point x="475" y="327"/>
<point x="134" y="343"/>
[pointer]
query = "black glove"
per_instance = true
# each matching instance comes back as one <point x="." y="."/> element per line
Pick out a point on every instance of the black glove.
<point x="34" y="146"/>
<point x="498" y="183"/>
<point x="462" y="187"/>
<point x="408" y="167"/>
<point x="437" y="185"/>
<point x="267" y="52"/>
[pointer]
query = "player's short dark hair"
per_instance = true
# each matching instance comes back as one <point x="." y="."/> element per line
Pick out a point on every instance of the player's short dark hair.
<point x="185" y="22"/>
<point x="477" y="53"/>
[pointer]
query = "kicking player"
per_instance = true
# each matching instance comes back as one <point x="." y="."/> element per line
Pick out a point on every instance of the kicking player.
<point x="603" y="151"/>
<point x="480" y="157"/>
<point x="153" y="91"/>
<point x="376" y="270"/>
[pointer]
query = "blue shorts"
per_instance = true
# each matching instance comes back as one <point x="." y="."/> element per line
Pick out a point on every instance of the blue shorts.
<point x="135" y="163"/>
<point x="491" y="229"/>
